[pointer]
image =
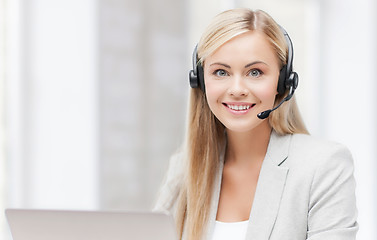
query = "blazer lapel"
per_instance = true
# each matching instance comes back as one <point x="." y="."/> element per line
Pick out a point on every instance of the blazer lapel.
<point x="269" y="189"/>
<point x="268" y="194"/>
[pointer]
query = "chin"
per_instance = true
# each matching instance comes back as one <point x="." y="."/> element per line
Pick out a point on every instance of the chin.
<point x="241" y="128"/>
<point x="249" y="126"/>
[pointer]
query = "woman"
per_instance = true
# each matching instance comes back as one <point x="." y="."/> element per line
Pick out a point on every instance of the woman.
<point x="246" y="173"/>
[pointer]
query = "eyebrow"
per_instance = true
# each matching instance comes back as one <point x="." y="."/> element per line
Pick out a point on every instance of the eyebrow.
<point x="256" y="62"/>
<point x="222" y="64"/>
<point x="246" y="66"/>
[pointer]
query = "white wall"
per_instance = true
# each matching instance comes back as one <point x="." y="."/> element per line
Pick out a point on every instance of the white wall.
<point x="143" y="91"/>
<point x="50" y="105"/>
<point x="348" y="83"/>
<point x="2" y="127"/>
<point x="51" y="115"/>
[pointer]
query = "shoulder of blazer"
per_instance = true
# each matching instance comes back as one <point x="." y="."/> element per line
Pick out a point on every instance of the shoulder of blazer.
<point x="169" y="191"/>
<point x="314" y="152"/>
<point x="314" y="146"/>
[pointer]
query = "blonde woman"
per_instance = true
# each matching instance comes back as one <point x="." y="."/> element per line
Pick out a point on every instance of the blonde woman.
<point x="247" y="172"/>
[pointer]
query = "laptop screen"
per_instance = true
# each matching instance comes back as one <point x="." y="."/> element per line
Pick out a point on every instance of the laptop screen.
<point x="94" y="225"/>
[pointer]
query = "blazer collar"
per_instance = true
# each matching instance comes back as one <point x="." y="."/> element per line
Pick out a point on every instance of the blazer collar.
<point x="278" y="148"/>
<point x="268" y="193"/>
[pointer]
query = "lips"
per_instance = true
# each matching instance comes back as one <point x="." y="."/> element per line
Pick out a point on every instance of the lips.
<point x="239" y="106"/>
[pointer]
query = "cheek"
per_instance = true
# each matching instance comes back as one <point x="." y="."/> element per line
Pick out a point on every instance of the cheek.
<point x="266" y="93"/>
<point x="212" y="93"/>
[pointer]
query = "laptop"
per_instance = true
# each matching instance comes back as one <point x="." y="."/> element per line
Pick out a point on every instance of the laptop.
<point x="27" y="224"/>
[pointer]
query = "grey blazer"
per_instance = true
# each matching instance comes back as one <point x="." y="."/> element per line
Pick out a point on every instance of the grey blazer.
<point x="305" y="190"/>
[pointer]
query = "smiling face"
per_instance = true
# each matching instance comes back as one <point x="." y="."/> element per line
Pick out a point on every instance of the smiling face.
<point x="241" y="81"/>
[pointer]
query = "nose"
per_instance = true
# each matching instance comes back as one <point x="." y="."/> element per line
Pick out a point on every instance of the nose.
<point x="237" y="87"/>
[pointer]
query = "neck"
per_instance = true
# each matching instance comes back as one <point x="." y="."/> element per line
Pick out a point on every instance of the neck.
<point x="248" y="147"/>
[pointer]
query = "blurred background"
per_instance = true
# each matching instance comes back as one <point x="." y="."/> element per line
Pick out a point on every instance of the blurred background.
<point x="93" y="94"/>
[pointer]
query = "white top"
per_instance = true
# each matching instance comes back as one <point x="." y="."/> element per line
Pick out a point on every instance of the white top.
<point x="230" y="231"/>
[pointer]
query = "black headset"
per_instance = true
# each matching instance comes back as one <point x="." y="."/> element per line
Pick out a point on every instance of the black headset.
<point x="196" y="75"/>
<point x="287" y="78"/>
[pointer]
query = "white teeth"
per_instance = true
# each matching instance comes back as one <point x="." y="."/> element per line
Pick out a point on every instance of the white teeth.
<point x="238" y="107"/>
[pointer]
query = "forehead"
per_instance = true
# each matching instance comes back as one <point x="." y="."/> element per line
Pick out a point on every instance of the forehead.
<point x="246" y="47"/>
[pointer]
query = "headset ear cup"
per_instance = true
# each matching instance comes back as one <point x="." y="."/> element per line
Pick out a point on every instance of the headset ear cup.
<point x="201" y="77"/>
<point x="295" y="80"/>
<point x="194" y="83"/>
<point x="286" y="82"/>
<point x="292" y="80"/>
<point x="193" y="74"/>
<point x="282" y="80"/>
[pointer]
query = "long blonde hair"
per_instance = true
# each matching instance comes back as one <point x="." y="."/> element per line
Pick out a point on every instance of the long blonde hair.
<point x="205" y="134"/>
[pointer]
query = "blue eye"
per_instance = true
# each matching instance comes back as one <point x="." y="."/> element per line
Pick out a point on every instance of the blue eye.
<point x="255" y="73"/>
<point x="220" y="73"/>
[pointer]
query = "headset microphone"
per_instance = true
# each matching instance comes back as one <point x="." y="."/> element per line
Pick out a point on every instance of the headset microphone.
<point x="292" y="88"/>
